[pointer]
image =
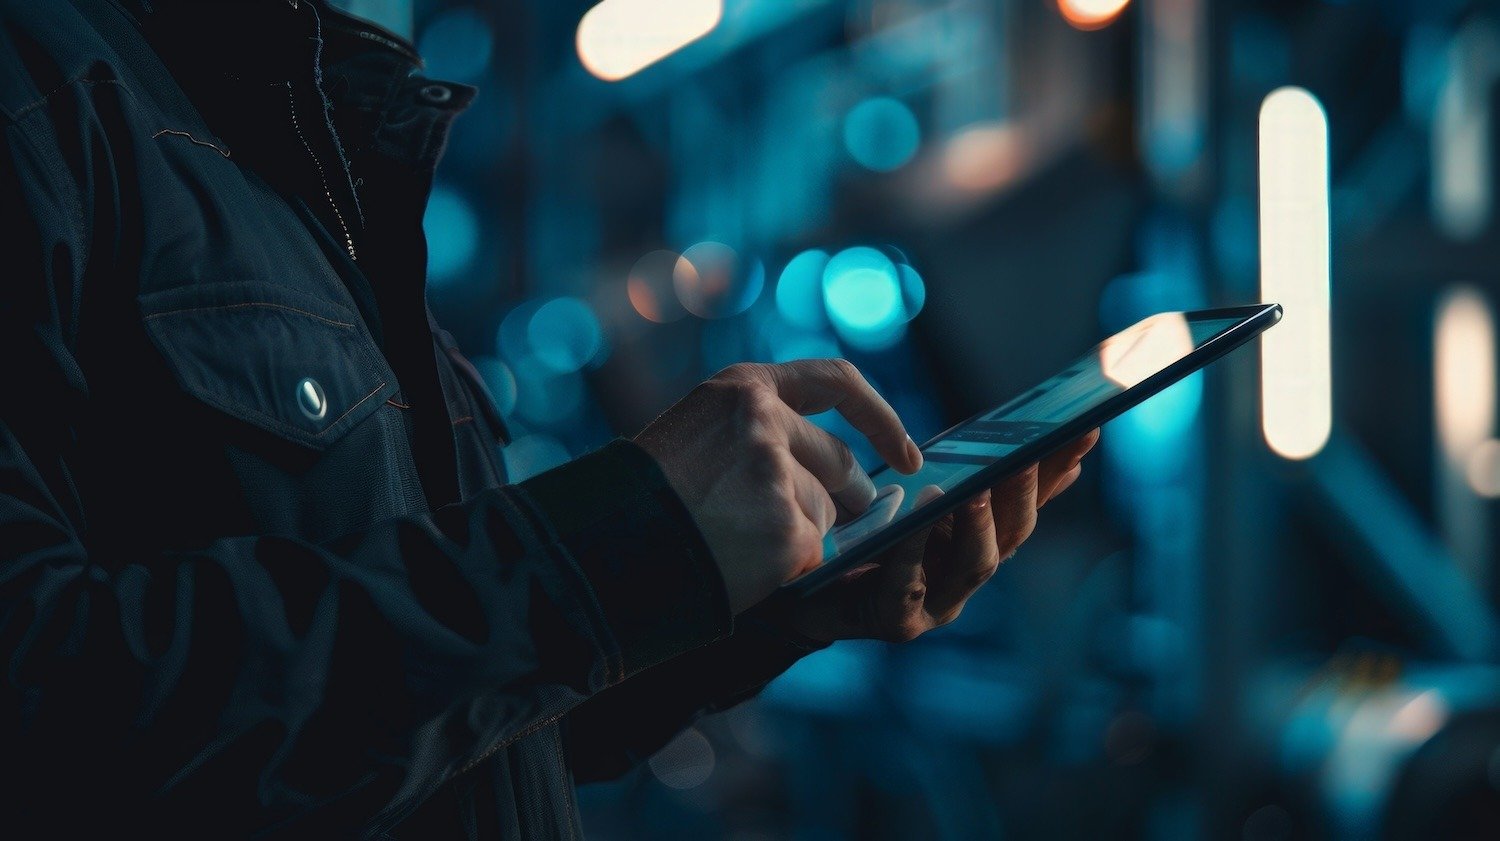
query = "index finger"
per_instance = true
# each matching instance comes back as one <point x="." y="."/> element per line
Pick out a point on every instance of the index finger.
<point x="810" y="386"/>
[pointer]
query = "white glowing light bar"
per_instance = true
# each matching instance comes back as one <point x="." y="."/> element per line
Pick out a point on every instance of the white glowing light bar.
<point x="1296" y="380"/>
<point x="1484" y="469"/>
<point x="1463" y="371"/>
<point x="1463" y="385"/>
<point x="618" y="38"/>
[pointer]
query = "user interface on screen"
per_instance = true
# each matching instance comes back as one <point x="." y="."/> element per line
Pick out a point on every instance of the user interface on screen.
<point x="1121" y="361"/>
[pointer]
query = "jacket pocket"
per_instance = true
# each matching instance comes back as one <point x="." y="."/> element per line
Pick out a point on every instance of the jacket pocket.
<point x="298" y="366"/>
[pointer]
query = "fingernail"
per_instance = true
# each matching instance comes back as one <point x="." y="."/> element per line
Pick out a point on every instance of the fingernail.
<point x="980" y="500"/>
<point x="913" y="452"/>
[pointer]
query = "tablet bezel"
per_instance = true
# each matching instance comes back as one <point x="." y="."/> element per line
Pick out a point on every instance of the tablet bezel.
<point x="1254" y="320"/>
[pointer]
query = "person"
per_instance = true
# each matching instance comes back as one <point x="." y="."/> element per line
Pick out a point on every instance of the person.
<point x="260" y="571"/>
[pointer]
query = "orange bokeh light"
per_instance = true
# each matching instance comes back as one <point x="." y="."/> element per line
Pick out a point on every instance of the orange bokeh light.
<point x="1091" y="14"/>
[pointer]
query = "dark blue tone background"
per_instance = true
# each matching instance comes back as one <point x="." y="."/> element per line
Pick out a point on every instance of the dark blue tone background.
<point x="1203" y="639"/>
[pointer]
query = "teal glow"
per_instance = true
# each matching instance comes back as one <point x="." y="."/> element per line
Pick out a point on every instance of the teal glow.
<point x="799" y="291"/>
<point x="532" y="454"/>
<point x="881" y="133"/>
<point x="457" y="45"/>
<point x="862" y="293"/>
<point x="837" y="679"/>
<point x="713" y="281"/>
<point x="545" y="397"/>
<point x="452" y="230"/>
<point x="564" y="335"/>
<point x="512" y="339"/>
<point x="913" y="290"/>
<point x="499" y="379"/>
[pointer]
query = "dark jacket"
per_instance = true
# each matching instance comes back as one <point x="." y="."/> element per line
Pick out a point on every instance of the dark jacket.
<point x="259" y="569"/>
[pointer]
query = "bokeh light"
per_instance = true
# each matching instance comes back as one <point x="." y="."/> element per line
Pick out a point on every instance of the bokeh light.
<point x="1463" y="373"/>
<point x="713" y="281"/>
<point x="1484" y="469"/>
<point x="513" y="339"/>
<point x="1091" y="14"/>
<point x="532" y="454"/>
<point x="544" y="396"/>
<point x="619" y="38"/>
<point x="881" y="133"/>
<point x="564" y="335"/>
<point x="1296" y="358"/>
<point x="799" y="291"/>
<point x="913" y="290"/>
<point x="984" y="157"/>
<point x="650" y="287"/>
<point x="685" y="762"/>
<point x="783" y="341"/>
<point x="457" y="45"/>
<point x="862" y="293"/>
<point x="452" y="230"/>
<point x="500" y="380"/>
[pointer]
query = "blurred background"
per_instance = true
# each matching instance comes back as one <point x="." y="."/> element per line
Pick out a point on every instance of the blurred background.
<point x="1268" y="610"/>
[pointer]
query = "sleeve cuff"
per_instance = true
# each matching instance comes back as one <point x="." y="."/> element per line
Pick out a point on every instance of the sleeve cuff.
<point x="647" y="567"/>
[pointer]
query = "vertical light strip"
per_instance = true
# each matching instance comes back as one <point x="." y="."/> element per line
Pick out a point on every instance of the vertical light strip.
<point x="1461" y="174"/>
<point x="1296" y="381"/>
<point x="1463" y="380"/>
<point x="1174" y="92"/>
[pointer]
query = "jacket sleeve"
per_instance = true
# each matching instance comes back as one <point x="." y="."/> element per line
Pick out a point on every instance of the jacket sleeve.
<point x="283" y="670"/>
<point x="623" y="726"/>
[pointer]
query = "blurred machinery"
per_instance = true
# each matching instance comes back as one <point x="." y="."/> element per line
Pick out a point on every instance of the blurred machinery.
<point x="1269" y="610"/>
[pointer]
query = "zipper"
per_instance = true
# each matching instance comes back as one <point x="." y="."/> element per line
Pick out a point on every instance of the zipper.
<point x="291" y="102"/>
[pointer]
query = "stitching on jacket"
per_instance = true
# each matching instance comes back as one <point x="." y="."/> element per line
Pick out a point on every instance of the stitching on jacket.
<point x="463" y="420"/>
<point x="343" y="324"/>
<point x="351" y="408"/>
<point x="195" y="141"/>
<point x="32" y="106"/>
<point x="391" y="401"/>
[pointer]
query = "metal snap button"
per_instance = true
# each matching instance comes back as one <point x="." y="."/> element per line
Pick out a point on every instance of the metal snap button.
<point x="311" y="400"/>
<point x="436" y="94"/>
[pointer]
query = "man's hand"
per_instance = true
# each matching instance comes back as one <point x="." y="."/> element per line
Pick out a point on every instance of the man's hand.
<point x="764" y="484"/>
<point x="925" y="582"/>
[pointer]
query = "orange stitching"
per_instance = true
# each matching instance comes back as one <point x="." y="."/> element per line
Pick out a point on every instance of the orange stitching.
<point x="343" y="324"/>
<point x="195" y="141"/>
<point x="352" y="408"/>
<point x="391" y="401"/>
<point x="464" y="419"/>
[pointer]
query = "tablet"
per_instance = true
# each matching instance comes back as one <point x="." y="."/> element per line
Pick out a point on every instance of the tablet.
<point x="1119" y="373"/>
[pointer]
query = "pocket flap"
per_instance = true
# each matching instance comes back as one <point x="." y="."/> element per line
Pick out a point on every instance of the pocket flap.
<point x="291" y="363"/>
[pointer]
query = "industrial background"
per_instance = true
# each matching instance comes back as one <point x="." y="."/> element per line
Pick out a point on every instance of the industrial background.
<point x="1268" y="611"/>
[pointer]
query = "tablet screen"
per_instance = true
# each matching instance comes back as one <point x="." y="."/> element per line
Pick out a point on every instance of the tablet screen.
<point x="1121" y="361"/>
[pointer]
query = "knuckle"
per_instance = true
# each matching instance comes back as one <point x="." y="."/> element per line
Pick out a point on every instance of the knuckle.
<point x="739" y="371"/>
<point x="843" y="368"/>
<point x="768" y="465"/>
<point x="755" y="401"/>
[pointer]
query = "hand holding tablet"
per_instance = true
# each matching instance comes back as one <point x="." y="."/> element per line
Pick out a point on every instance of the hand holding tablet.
<point x="973" y="456"/>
